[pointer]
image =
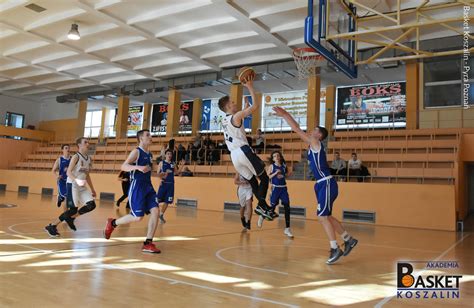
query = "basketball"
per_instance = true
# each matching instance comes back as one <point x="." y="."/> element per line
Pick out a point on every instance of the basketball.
<point x="408" y="280"/>
<point x="246" y="73"/>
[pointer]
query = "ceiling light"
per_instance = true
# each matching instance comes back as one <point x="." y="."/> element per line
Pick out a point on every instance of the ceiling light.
<point x="74" y="33"/>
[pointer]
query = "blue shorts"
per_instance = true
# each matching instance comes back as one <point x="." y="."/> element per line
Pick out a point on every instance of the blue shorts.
<point x="141" y="197"/>
<point x="326" y="193"/>
<point x="69" y="201"/>
<point x="279" y="194"/>
<point x="165" y="193"/>
<point x="62" y="188"/>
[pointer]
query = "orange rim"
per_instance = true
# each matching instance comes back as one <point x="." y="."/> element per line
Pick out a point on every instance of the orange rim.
<point x="297" y="53"/>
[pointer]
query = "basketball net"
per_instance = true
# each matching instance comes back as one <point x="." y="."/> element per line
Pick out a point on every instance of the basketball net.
<point x="307" y="62"/>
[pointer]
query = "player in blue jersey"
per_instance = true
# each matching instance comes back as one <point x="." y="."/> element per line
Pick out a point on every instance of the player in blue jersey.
<point x="166" y="171"/>
<point x="325" y="188"/>
<point x="278" y="172"/>
<point x="141" y="195"/>
<point x="60" y="171"/>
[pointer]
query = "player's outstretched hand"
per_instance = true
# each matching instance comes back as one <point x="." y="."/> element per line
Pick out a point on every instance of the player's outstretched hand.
<point x="279" y="111"/>
<point x="248" y="83"/>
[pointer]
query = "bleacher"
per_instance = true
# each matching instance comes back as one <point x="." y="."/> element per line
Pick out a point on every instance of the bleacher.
<point x="399" y="156"/>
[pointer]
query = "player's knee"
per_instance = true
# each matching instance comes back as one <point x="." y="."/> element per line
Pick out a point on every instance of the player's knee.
<point x="286" y="205"/>
<point x="323" y="219"/>
<point x="89" y="207"/>
<point x="67" y="214"/>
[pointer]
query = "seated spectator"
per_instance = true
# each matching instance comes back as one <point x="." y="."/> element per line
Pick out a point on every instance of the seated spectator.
<point x="181" y="152"/>
<point x="355" y="167"/>
<point x="186" y="172"/>
<point x="197" y="143"/>
<point x="338" y="165"/>
<point x="213" y="155"/>
<point x="259" y="140"/>
<point x="208" y="141"/>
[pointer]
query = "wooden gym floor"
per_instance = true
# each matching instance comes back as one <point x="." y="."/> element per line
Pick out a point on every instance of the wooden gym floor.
<point x="207" y="261"/>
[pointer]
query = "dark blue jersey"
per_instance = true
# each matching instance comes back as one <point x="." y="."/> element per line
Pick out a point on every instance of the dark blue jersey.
<point x="318" y="163"/>
<point x="165" y="166"/>
<point x="63" y="165"/>
<point x="280" y="178"/>
<point x="143" y="159"/>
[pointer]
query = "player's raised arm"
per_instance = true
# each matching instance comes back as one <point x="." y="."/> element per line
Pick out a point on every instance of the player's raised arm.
<point x="281" y="112"/>
<point x="239" y="116"/>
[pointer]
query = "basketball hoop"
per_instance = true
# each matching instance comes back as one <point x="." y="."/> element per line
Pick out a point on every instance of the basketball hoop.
<point x="307" y="62"/>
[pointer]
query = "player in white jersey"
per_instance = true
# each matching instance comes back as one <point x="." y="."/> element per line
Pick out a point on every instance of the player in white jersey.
<point x="78" y="174"/>
<point x="245" y="161"/>
<point x="245" y="195"/>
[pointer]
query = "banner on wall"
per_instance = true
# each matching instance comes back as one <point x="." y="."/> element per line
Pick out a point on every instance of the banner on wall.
<point x="295" y="102"/>
<point x="159" y="118"/>
<point x="373" y="105"/>
<point x="135" y="119"/>
<point x="186" y="117"/>
<point x="212" y="116"/>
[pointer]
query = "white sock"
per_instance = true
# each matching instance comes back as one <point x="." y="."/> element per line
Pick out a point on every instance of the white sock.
<point x="345" y="236"/>
<point x="333" y="244"/>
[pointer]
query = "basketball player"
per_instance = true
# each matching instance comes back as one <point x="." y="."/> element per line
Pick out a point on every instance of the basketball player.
<point x="78" y="174"/>
<point x="245" y="194"/>
<point x="166" y="172"/>
<point x="141" y="195"/>
<point x="326" y="186"/>
<point x="277" y="172"/>
<point x="60" y="171"/>
<point x="245" y="161"/>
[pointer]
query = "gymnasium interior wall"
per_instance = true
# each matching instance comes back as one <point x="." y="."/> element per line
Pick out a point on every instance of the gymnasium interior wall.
<point x="403" y="205"/>
<point x="30" y="108"/>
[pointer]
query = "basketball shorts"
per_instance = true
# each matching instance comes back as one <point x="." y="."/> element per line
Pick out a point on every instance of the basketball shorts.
<point x="279" y="194"/>
<point x="326" y="193"/>
<point x="62" y="188"/>
<point x="81" y="195"/>
<point x="141" y="197"/>
<point x="165" y="193"/>
<point x="245" y="194"/>
<point x="247" y="163"/>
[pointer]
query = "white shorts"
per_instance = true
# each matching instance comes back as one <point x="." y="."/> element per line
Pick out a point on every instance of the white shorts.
<point x="81" y="195"/>
<point x="245" y="194"/>
<point x="246" y="162"/>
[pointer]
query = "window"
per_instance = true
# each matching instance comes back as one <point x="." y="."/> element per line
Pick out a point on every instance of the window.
<point x="442" y="81"/>
<point x="93" y="121"/>
<point x="14" y="119"/>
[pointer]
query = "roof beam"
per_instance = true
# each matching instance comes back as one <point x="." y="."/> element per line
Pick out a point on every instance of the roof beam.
<point x="166" y="11"/>
<point x="218" y="39"/>
<point x="279" y="8"/>
<point x="148" y="35"/>
<point x="243" y="18"/>
<point x="237" y="50"/>
<point x="202" y="24"/>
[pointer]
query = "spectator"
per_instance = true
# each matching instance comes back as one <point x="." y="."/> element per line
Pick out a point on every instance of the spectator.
<point x="259" y="140"/>
<point x="188" y="153"/>
<point x="338" y="166"/>
<point x="213" y="155"/>
<point x="186" y="172"/>
<point x="355" y="167"/>
<point x="197" y="141"/>
<point x="207" y="142"/>
<point x="181" y="152"/>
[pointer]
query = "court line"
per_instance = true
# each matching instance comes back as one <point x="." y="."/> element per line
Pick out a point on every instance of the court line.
<point x="177" y="281"/>
<point x="389" y="298"/>
<point x="218" y="255"/>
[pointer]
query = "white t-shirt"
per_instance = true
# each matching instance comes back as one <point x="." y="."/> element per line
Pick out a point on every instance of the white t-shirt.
<point x="234" y="136"/>
<point x="355" y="164"/>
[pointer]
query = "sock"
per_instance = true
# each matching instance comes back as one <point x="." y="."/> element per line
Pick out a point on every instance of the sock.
<point x="148" y="241"/>
<point x="333" y="244"/>
<point x="345" y="236"/>
<point x="114" y="224"/>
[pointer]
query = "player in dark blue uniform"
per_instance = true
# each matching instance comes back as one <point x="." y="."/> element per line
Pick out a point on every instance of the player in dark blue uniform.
<point x="141" y="195"/>
<point x="325" y="188"/>
<point x="277" y="172"/>
<point x="166" y="171"/>
<point x="60" y="171"/>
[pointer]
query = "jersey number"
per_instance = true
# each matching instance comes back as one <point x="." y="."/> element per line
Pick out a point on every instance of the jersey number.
<point x="227" y="137"/>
